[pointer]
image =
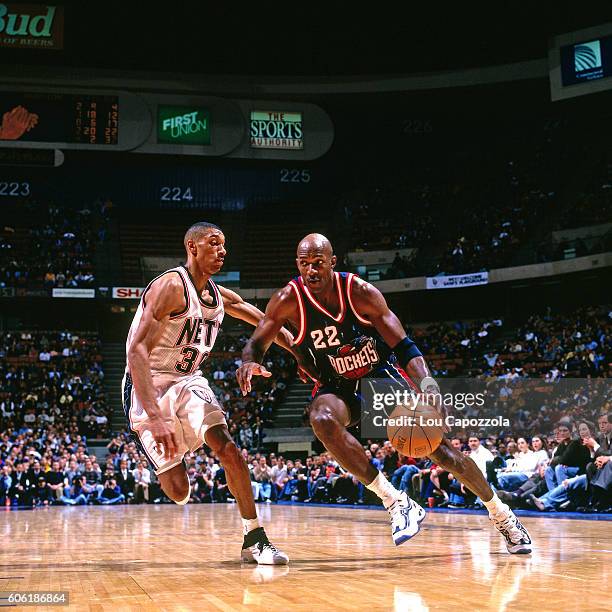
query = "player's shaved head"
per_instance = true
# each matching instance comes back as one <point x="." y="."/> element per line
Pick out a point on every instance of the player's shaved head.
<point x="316" y="262"/>
<point x="315" y="243"/>
<point x="199" y="229"/>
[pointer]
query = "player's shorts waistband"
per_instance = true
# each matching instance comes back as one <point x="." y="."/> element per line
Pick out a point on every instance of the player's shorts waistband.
<point x="388" y="370"/>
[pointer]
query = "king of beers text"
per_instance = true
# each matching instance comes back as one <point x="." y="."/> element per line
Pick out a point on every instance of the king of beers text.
<point x="31" y="25"/>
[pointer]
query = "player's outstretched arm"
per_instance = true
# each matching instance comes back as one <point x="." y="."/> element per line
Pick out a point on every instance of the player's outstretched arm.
<point x="236" y="307"/>
<point x="162" y="299"/>
<point x="279" y="311"/>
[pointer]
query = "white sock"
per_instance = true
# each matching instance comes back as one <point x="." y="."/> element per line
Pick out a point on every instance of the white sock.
<point x="249" y="524"/>
<point x="495" y="505"/>
<point x="384" y="489"/>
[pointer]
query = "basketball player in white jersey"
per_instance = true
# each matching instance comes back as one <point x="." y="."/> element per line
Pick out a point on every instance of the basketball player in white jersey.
<point x="169" y="405"/>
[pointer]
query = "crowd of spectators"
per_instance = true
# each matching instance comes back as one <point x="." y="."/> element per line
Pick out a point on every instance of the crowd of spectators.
<point x="485" y="209"/>
<point x="489" y="237"/>
<point x="52" y="378"/>
<point x="552" y="456"/>
<point x="568" y="470"/>
<point x="378" y="216"/>
<point x="549" y="345"/>
<point x="52" y="465"/>
<point x="56" y="248"/>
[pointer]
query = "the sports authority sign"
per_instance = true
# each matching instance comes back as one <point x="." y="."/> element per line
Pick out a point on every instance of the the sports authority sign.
<point x="276" y="130"/>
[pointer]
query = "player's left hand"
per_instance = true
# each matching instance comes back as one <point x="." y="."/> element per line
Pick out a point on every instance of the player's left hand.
<point x="246" y="371"/>
<point x="433" y="397"/>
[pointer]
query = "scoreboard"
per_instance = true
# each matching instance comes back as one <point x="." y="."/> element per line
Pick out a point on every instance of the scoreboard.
<point x="161" y="123"/>
<point x="58" y="117"/>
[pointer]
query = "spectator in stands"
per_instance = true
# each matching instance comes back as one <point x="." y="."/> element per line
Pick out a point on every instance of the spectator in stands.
<point x="570" y="457"/>
<point x="402" y="477"/>
<point x="279" y="477"/>
<point x="540" y="448"/>
<point x="221" y="490"/>
<point x="519" y="469"/>
<point x="262" y="474"/>
<point x="599" y="471"/>
<point x="301" y="479"/>
<point x="111" y="493"/>
<point x="20" y="493"/>
<point x="535" y="485"/>
<point x="204" y="485"/>
<point x="55" y="480"/>
<point x="125" y="480"/>
<point x="142" y="481"/>
<point x="6" y="484"/>
<point x="559" y="495"/>
<point x="478" y="453"/>
<point x="41" y="494"/>
<point x="74" y="495"/>
<point x="246" y="435"/>
<point x="344" y="489"/>
<point x="71" y="472"/>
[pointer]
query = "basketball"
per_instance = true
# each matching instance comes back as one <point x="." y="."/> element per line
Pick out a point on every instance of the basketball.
<point x="415" y="433"/>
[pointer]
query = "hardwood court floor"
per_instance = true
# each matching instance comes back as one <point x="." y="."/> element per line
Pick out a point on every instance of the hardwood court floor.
<point x="186" y="558"/>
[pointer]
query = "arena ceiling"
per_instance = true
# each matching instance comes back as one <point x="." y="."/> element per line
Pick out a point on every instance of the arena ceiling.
<point x="326" y="39"/>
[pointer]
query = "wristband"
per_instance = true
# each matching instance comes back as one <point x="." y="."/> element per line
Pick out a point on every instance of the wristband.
<point x="406" y="350"/>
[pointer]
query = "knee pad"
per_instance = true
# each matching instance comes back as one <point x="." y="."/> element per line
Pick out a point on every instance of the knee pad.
<point x="182" y="502"/>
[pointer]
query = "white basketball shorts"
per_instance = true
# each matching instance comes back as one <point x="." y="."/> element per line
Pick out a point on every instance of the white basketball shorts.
<point x="188" y="405"/>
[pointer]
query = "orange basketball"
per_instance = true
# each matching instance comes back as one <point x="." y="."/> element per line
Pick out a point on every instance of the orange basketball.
<point x="415" y="433"/>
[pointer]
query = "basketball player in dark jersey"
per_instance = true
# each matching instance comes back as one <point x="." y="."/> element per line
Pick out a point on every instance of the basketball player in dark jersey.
<point x="346" y="328"/>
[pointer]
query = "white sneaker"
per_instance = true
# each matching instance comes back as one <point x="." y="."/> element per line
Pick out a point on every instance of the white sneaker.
<point x="256" y="548"/>
<point x="406" y="517"/>
<point x="517" y="538"/>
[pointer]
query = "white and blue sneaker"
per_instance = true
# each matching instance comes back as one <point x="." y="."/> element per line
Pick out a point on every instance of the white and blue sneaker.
<point x="518" y="540"/>
<point x="406" y="517"/>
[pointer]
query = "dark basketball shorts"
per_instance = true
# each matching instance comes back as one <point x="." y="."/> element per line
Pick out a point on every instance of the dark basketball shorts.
<point x="349" y="391"/>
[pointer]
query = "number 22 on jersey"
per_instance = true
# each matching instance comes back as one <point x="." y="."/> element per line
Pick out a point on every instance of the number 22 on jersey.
<point x="325" y="338"/>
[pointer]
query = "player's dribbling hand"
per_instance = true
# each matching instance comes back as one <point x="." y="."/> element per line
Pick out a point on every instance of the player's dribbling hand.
<point x="434" y="398"/>
<point x="246" y="371"/>
<point x="164" y="437"/>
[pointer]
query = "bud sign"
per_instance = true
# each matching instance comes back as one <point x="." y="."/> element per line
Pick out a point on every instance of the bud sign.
<point x="33" y="26"/>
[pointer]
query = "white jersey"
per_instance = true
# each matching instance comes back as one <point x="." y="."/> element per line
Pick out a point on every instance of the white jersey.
<point x="188" y="337"/>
